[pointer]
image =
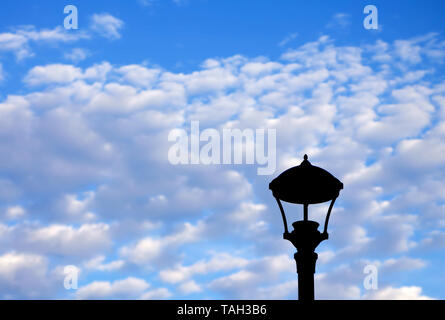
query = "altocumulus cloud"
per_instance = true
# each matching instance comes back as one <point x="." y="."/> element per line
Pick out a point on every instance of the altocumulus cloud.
<point x="21" y="40"/>
<point x="85" y="177"/>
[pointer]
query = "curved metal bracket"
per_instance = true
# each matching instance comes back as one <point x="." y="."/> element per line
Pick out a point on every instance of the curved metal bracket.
<point x="325" y="231"/>
<point x="282" y="215"/>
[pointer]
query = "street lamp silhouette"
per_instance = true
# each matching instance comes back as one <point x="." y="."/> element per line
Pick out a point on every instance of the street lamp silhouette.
<point x="305" y="184"/>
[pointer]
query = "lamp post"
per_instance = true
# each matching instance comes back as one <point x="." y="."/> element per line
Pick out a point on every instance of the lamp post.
<point x="305" y="184"/>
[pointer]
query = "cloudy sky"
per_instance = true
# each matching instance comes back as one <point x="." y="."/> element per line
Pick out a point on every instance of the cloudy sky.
<point x="85" y="115"/>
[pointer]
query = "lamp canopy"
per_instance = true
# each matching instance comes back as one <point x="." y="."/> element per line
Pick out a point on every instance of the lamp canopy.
<point x="305" y="184"/>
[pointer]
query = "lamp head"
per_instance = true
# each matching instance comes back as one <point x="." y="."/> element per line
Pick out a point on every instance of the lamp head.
<point x="305" y="184"/>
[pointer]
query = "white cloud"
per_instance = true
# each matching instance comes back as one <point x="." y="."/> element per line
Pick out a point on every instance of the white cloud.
<point x="247" y="214"/>
<point x="411" y="50"/>
<point x="288" y="39"/>
<point x="339" y="289"/>
<point x="64" y="73"/>
<point x="253" y="281"/>
<point x="190" y="287"/>
<point x="66" y="240"/>
<point x="407" y="51"/>
<point x="285" y="290"/>
<point x="96" y="263"/>
<point x="15" y="212"/>
<point x="220" y="262"/>
<point x="433" y="240"/>
<point x="339" y="20"/>
<point x="77" y="54"/>
<point x="156" y="250"/>
<point x="402" y="293"/>
<point x="402" y="264"/>
<point x="19" y="40"/>
<point x="258" y="68"/>
<point x="74" y="205"/>
<point x="26" y="275"/>
<point x="144" y="251"/>
<point x="55" y="73"/>
<point x="129" y="288"/>
<point x="139" y="75"/>
<point x="103" y="128"/>
<point x="12" y="263"/>
<point x="107" y="25"/>
<point x="237" y="285"/>
<point x="156" y="294"/>
<point x="14" y="42"/>
<point x="205" y="81"/>
<point x="56" y="34"/>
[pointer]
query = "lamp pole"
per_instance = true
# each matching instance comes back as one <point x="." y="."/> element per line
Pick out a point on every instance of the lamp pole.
<point x="305" y="184"/>
<point x="305" y="237"/>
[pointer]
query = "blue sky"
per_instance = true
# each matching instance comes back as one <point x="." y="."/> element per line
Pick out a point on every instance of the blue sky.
<point x="85" y="116"/>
